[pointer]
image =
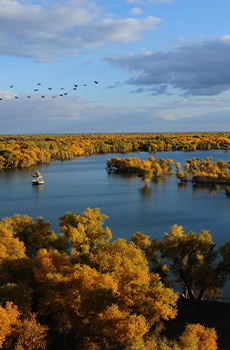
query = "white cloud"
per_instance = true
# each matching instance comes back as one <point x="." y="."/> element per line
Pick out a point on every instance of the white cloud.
<point x="136" y="11"/>
<point x="50" y="30"/>
<point x="171" y="116"/>
<point x="225" y="39"/>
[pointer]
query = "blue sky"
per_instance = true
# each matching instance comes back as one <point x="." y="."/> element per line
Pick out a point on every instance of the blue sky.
<point x="161" y="66"/>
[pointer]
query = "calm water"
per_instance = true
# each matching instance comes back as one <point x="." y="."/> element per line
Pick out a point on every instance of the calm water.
<point x="83" y="182"/>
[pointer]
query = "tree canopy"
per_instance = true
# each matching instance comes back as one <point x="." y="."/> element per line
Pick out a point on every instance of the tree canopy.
<point x="98" y="292"/>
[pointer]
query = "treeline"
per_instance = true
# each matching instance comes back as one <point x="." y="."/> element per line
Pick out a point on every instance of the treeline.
<point x="19" y="151"/>
<point x="81" y="290"/>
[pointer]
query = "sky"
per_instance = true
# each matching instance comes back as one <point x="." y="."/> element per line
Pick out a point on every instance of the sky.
<point x="81" y="66"/>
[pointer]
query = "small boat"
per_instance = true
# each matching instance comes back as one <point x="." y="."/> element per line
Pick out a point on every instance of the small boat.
<point x="37" y="178"/>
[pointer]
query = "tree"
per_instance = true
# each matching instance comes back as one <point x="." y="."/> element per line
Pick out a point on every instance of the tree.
<point x="194" y="337"/>
<point x="85" y="231"/>
<point x="10" y="247"/>
<point x="145" y="175"/>
<point x="16" y="271"/>
<point x="8" y="316"/>
<point x="27" y="334"/>
<point x="178" y="166"/>
<point x="193" y="260"/>
<point x="19" y="294"/>
<point x="197" y="337"/>
<point x="170" y="162"/>
<point x="111" y="301"/>
<point x="34" y="235"/>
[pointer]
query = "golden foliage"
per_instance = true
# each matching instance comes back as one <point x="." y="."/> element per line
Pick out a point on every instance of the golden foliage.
<point x="8" y="316"/>
<point x="10" y="247"/>
<point x="197" y="337"/>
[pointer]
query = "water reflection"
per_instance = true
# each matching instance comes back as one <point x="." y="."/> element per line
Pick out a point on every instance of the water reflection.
<point x="157" y="180"/>
<point x="122" y="175"/>
<point x="37" y="189"/>
<point x="182" y="185"/>
<point x="203" y="188"/>
<point x="146" y="192"/>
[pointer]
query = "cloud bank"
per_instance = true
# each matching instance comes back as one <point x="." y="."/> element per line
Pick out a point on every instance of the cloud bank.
<point x="197" y="69"/>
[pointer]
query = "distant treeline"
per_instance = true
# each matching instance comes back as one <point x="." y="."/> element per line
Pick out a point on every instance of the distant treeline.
<point x="20" y="151"/>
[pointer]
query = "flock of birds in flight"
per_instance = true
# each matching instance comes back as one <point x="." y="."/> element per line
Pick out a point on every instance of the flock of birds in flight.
<point x="50" y="88"/>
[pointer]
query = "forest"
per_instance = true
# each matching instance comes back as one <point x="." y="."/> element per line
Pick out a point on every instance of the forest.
<point x="81" y="289"/>
<point x="20" y="151"/>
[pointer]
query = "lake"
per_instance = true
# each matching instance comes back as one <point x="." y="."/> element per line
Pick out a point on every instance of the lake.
<point x="72" y="186"/>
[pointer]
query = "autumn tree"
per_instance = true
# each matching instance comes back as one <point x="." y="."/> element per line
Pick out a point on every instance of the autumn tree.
<point x="19" y="294"/>
<point x="85" y="231"/>
<point x="178" y="166"/>
<point x="145" y="174"/>
<point x="10" y="247"/>
<point x="18" y="270"/>
<point x="197" y="337"/>
<point x="34" y="235"/>
<point x="27" y="334"/>
<point x="109" y="298"/>
<point x="192" y="259"/>
<point x="151" y="253"/>
<point x="8" y="316"/>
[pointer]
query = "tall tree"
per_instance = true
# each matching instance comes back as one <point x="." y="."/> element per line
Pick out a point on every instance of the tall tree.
<point x="193" y="260"/>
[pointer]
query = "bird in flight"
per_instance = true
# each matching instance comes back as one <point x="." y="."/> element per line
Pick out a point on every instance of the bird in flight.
<point x="11" y="86"/>
<point x="43" y="96"/>
<point x="0" y="98"/>
<point x="35" y="90"/>
<point x="38" y="84"/>
<point x="84" y="84"/>
<point x="62" y="88"/>
<point x="28" y="96"/>
<point x="75" y="85"/>
<point x="16" y="96"/>
<point x="96" y="82"/>
<point x="50" y="88"/>
<point x="65" y="93"/>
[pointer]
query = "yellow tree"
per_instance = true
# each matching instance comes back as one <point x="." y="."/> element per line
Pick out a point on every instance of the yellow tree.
<point x="145" y="174"/>
<point x="85" y="231"/>
<point x="34" y="235"/>
<point x="10" y="247"/>
<point x="192" y="259"/>
<point x="9" y="317"/>
<point x="197" y="337"/>
<point x="139" y="291"/>
<point x="112" y="302"/>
